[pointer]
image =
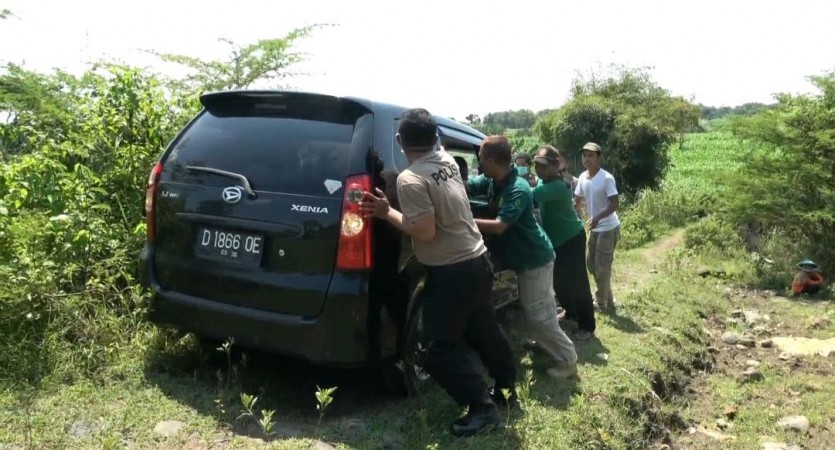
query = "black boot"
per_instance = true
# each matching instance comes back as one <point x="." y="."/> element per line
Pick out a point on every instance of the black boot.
<point x="483" y="415"/>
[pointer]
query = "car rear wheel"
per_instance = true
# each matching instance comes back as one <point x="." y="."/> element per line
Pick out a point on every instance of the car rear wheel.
<point x="407" y="376"/>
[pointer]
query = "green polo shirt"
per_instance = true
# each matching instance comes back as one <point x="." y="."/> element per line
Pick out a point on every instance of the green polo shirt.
<point x="556" y="205"/>
<point x="524" y="245"/>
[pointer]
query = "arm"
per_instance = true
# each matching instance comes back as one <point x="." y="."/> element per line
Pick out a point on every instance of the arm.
<point x="477" y="185"/>
<point x="515" y="200"/>
<point x="421" y="228"/>
<point x="419" y="218"/>
<point x="491" y="226"/>
<point x="607" y="211"/>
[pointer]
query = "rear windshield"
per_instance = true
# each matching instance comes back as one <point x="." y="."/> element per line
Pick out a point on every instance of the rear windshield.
<point x="276" y="152"/>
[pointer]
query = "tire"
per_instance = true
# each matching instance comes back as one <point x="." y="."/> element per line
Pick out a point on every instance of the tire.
<point x="418" y="381"/>
<point x="406" y="376"/>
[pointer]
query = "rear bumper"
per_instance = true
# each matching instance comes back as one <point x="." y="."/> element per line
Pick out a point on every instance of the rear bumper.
<point x="337" y="337"/>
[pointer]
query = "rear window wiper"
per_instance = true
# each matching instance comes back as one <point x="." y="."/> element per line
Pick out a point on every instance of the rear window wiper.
<point x="243" y="180"/>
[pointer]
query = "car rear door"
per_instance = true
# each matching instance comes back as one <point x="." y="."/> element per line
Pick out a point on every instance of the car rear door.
<point x="250" y="196"/>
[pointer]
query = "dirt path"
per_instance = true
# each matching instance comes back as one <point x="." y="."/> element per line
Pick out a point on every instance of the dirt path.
<point x="762" y="392"/>
<point x="629" y="275"/>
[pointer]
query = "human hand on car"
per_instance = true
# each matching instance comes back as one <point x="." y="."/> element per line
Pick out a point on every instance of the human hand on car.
<point x="375" y="205"/>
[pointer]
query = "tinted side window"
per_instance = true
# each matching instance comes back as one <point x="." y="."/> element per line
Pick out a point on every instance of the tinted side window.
<point x="450" y="139"/>
<point x="278" y="152"/>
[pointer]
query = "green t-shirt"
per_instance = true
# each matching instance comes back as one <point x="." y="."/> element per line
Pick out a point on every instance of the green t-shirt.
<point x="524" y="245"/>
<point x="556" y="205"/>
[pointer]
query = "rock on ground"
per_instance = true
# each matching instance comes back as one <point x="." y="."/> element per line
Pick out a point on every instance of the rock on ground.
<point x="169" y="427"/>
<point x="319" y="445"/>
<point x="730" y="338"/>
<point x="779" y="446"/>
<point x="80" y="430"/>
<point x="751" y="375"/>
<point x="796" y="423"/>
<point x="801" y="346"/>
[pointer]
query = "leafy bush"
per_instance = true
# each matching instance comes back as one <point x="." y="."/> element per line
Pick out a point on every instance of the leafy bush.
<point x="524" y="141"/>
<point x="788" y="181"/>
<point x="77" y="152"/>
<point x="631" y="117"/>
<point x="641" y="219"/>
<point x="711" y="233"/>
<point x="71" y="217"/>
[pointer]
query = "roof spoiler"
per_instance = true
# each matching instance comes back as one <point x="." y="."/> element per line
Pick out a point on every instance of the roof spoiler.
<point x="211" y="100"/>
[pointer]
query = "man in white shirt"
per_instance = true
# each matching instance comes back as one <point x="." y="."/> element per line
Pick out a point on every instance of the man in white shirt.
<point x="597" y="189"/>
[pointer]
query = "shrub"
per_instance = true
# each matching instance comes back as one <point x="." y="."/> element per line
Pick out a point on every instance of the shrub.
<point x="711" y="233"/>
<point x="631" y="117"/>
<point x="70" y="225"/>
<point x="788" y="181"/>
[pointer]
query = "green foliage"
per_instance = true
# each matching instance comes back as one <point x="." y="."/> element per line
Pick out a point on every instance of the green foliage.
<point x="71" y="199"/>
<point x="524" y="141"/>
<point x="266" y="422"/>
<point x="266" y="59"/>
<point x="746" y="109"/>
<point x="502" y="122"/>
<point x="693" y="187"/>
<point x="523" y="118"/>
<point x="712" y="233"/>
<point x="77" y="151"/>
<point x="788" y="183"/>
<point x="628" y="114"/>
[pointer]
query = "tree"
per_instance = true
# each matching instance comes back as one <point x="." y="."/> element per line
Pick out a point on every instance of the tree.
<point x="76" y="153"/>
<point x="266" y="59"/>
<point x="524" y="141"/>
<point x="788" y="180"/>
<point x="38" y="107"/>
<point x="523" y="118"/>
<point x="684" y="117"/>
<point x="473" y="119"/>
<point x="627" y="113"/>
<point x="746" y="109"/>
<point x="5" y="13"/>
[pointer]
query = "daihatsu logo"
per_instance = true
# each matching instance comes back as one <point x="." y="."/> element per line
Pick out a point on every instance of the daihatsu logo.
<point x="232" y="194"/>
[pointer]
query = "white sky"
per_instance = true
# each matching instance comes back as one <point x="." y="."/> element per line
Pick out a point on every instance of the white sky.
<point x="456" y="57"/>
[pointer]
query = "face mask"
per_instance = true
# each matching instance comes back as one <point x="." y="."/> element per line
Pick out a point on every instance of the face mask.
<point x="522" y="170"/>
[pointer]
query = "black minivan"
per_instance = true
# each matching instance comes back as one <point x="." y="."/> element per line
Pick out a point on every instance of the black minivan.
<point x="254" y="232"/>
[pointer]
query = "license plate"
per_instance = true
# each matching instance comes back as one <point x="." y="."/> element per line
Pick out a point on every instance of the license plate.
<point x="229" y="246"/>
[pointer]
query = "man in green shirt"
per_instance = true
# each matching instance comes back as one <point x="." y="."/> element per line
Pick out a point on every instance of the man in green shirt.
<point x="521" y="245"/>
<point x="568" y="236"/>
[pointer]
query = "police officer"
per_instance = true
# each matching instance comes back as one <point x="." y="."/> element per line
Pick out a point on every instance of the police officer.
<point x="456" y="304"/>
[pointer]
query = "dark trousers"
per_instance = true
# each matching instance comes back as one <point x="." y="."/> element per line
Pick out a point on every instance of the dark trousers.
<point x="458" y="313"/>
<point x="571" y="282"/>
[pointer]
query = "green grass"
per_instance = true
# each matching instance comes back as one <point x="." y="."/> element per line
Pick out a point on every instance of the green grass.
<point x="620" y="402"/>
<point x="693" y="186"/>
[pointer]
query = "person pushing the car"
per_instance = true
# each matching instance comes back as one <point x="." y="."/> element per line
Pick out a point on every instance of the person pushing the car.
<point x="456" y="301"/>
<point x="523" y="246"/>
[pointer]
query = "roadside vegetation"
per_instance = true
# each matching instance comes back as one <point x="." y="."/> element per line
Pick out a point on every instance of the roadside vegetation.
<point x="713" y="220"/>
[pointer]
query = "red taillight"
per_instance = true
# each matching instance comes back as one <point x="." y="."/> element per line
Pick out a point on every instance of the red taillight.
<point x="354" y="251"/>
<point x="151" y="201"/>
